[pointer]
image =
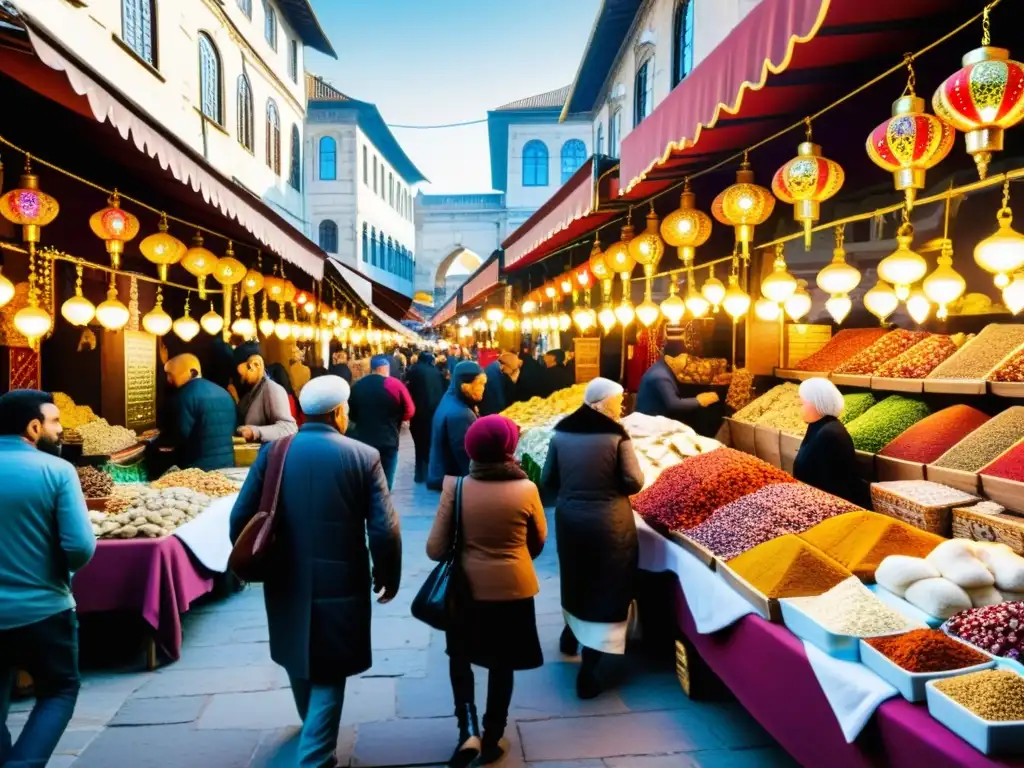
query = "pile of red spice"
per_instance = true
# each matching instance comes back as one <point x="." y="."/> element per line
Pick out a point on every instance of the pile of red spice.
<point x="840" y="348"/>
<point x="882" y="351"/>
<point x="1010" y="465"/>
<point x="927" y="650"/>
<point x="933" y="435"/>
<point x="684" y="496"/>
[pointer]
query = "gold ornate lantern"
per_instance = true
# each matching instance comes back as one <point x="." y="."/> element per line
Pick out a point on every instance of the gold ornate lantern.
<point x="115" y="227"/>
<point x="744" y="205"/>
<point x="162" y="248"/>
<point x="687" y="228"/>
<point x="199" y="262"/>
<point x="806" y="181"/>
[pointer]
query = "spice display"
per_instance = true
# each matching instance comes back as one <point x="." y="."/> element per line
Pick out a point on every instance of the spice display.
<point x="538" y="411"/>
<point x="1010" y="465"/>
<point x="933" y="435"/>
<point x="122" y="497"/>
<point x="101" y="439"/>
<point x="856" y="404"/>
<point x="685" y="495"/>
<point x="1012" y="369"/>
<point x="72" y="416"/>
<point x="882" y="351"/>
<point x="996" y="629"/>
<point x="922" y="358"/>
<point x="926" y="493"/>
<point x="773" y="511"/>
<point x="850" y="608"/>
<point x="211" y="483"/>
<point x="787" y="393"/>
<point x="153" y="513"/>
<point x="741" y="389"/>
<point x="843" y="346"/>
<point x="985" y="352"/>
<point x="927" y="650"/>
<point x="986" y="443"/>
<point x="690" y="369"/>
<point x="788" y="567"/>
<point x="880" y="425"/>
<point x="860" y="541"/>
<point x="786" y="418"/>
<point x="95" y="484"/>
<point x="996" y="695"/>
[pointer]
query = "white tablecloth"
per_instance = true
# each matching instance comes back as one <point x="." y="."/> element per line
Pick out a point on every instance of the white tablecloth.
<point x="208" y="536"/>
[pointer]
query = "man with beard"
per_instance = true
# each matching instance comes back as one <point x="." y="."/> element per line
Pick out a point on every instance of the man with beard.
<point x="263" y="409"/>
<point x="502" y="375"/>
<point x="46" y="535"/>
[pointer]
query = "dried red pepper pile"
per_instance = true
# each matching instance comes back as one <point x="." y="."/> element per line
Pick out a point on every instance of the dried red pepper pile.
<point x="933" y="435"/>
<point x="882" y="351"/>
<point x="841" y="348"/>
<point x="1010" y="465"/>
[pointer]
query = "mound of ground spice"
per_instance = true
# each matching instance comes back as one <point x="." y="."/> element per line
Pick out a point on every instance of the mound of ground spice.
<point x="860" y="541"/>
<point x="788" y="567"/>
<point x="996" y="695"/>
<point x="882" y="351"/>
<point x="927" y="650"/>
<point x="840" y="348"/>
<point x="933" y="435"/>
<point x="685" y="495"/>
<point x="1010" y="465"/>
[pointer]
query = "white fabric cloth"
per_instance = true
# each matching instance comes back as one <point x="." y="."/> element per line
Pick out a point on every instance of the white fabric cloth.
<point x="601" y="389"/>
<point x="208" y="536"/>
<point x="606" y="638"/>
<point x="853" y="691"/>
<point x="323" y="394"/>
<point x="714" y="604"/>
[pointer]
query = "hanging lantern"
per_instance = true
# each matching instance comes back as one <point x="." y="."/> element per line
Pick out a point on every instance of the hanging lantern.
<point x="115" y="227"/>
<point x="283" y="329"/>
<point x="606" y="317"/>
<point x="945" y="285"/>
<point x="983" y="98"/>
<point x="743" y="205"/>
<point x="583" y="276"/>
<point x="597" y="263"/>
<point x="584" y="318"/>
<point x="526" y="325"/>
<point x="618" y="257"/>
<point x="162" y="248"/>
<point x="244" y="327"/>
<point x="550" y="291"/>
<point x="357" y="335"/>
<point x="713" y="290"/>
<point x="228" y="270"/>
<point x="918" y="306"/>
<point x="494" y="314"/>
<point x="565" y="283"/>
<point x="157" y="321"/>
<point x="647" y="248"/>
<point x="903" y="267"/>
<point x="542" y="323"/>
<point x="29" y="207"/>
<point x="839" y="307"/>
<point x="686" y="228"/>
<point x="838" y="278"/>
<point x="806" y="181"/>
<point x="673" y="307"/>
<point x="799" y="304"/>
<point x="1002" y="253"/>
<point x="881" y="301"/>
<point x="212" y="322"/>
<point x="779" y="285"/>
<point x="78" y="310"/>
<point x="564" y="322"/>
<point x="508" y="324"/>
<point x="252" y="283"/>
<point x="648" y="312"/>
<point x="768" y="310"/>
<point x="625" y="313"/>
<point x="1013" y="294"/>
<point x="266" y="325"/>
<point x="112" y="314"/>
<point x="185" y="328"/>
<point x="530" y="305"/>
<point x="695" y="302"/>
<point x="274" y="288"/>
<point x="736" y="301"/>
<point x="33" y="322"/>
<point x="199" y="262"/>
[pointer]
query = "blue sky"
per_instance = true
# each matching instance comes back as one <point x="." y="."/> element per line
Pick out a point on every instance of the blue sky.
<point x="425" y="62"/>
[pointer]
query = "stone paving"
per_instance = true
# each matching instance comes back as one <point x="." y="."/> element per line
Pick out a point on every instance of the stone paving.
<point x="226" y="705"/>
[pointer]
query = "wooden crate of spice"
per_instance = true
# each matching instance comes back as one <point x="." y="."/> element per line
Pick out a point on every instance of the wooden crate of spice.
<point x="767" y="607"/>
<point x="698" y="550"/>
<point x="790" y="446"/>
<point x="767" y="446"/>
<point x="741" y="436"/>
<point x="897" y="385"/>
<point x="955" y="478"/>
<point x="1002" y="490"/>
<point x="1005" y="527"/>
<point x="937" y="519"/>
<point x="851" y="380"/>
<point x="891" y="468"/>
<point x="865" y="465"/>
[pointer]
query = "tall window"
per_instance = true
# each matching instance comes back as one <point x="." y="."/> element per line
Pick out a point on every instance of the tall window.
<point x="375" y="174"/>
<point x="614" y="133"/>
<point x="682" y="41"/>
<point x="329" y="236"/>
<point x="246" y="130"/>
<point x="599" y="141"/>
<point x="373" y="245"/>
<point x="293" y="60"/>
<point x="273" y="137"/>
<point x="535" y="164"/>
<point x="137" y="28"/>
<point x="270" y="24"/>
<point x="328" y="159"/>
<point x="366" y="169"/>
<point x="246" y="6"/>
<point x="574" y="153"/>
<point x="209" y="79"/>
<point x="295" y="176"/>
<point x="383" y="191"/>
<point x="643" y="94"/>
<point x="366" y="243"/>
<point x="391" y="189"/>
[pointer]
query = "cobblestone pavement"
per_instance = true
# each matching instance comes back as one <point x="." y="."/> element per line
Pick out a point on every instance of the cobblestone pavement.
<point x="226" y="705"/>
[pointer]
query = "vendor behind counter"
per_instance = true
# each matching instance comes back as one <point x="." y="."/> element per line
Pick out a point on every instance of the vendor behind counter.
<point x="199" y="432"/>
<point x="660" y="394"/>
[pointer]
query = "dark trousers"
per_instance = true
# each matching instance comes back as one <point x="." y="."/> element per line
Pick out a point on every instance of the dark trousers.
<point x="389" y="463"/>
<point x="421" y="441"/>
<point x="48" y="651"/>
<point x="499" y="691"/>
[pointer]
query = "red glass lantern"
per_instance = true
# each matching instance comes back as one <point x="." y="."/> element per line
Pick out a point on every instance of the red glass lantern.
<point x="805" y="182"/>
<point x="115" y="227"/>
<point x="28" y="206"/>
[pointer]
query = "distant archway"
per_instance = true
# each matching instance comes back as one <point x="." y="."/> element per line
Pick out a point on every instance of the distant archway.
<point x="459" y="263"/>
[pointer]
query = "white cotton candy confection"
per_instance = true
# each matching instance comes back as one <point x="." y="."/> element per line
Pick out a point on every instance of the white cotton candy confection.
<point x="897" y="572"/>
<point x="982" y="596"/>
<point x="938" y="597"/>
<point x="1006" y="566"/>
<point x="956" y="561"/>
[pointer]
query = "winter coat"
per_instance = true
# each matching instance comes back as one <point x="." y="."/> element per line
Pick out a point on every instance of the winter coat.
<point x="827" y="460"/>
<point x="266" y="410"/>
<point x="592" y="466"/>
<point x="377" y="407"/>
<point x="204" y="426"/>
<point x="342" y="370"/>
<point x="659" y="395"/>
<point x="426" y="386"/>
<point x="334" y="501"/>
<point x="448" y="437"/>
<point x="499" y="392"/>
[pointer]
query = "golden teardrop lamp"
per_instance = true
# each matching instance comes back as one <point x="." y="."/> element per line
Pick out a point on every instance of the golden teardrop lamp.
<point x="78" y="310"/>
<point x="881" y="300"/>
<point x="266" y="325"/>
<point x="162" y="248"/>
<point x="767" y="310"/>
<point x="918" y="306"/>
<point x="945" y="285"/>
<point x="903" y="267"/>
<point x="112" y="314"/>
<point x="199" y="262"/>
<point x="838" y="279"/>
<point x="606" y="317"/>
<point x="115" y="227"/>
<point x="33" y="322"/>
<point x="695" y="302"/>
<point x="686" y="228"/>
<point x="744" y="205"/>
<point x="713" y="290"/>
<point x="1002" y="252"/>
<point x="673" y="307"/>
<point x="1013" y="294"/>
<point x="799" y="304"/>
<point x="157" y="321"/>
<point x="736" y="301"/>
<point x="185" y="327"/>
<point x="779" y="285"/>
<point x="212" y="322"/>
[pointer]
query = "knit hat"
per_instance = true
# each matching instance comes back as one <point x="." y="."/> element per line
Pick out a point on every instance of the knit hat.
<point x="601" y="389"/>
<point x="243" y="352"/>
<point x="492" y="439"/>
<point x="466" y="371"/>
<point x="379" y="360"/>
<point x="823" y="395"/>
<point x="323" y="394"/>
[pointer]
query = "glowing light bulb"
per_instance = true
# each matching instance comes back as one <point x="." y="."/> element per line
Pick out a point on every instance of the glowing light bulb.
<point x="767" y="310"/>
<point x="918" y="306"/>
<point x="839" y="307"/>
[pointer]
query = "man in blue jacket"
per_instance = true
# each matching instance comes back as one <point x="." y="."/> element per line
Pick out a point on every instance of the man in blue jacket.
<point x="452" y="419"/>
<point x="204" y="421"/>
<point x="44" y="535"/>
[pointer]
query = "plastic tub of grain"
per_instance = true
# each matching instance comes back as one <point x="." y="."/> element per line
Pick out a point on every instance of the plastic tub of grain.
<point x="923" y="504"/>
<point x="984" y="709"/>
<point x="789" y="447"/>
<point x="979" y="523"/>
<point x="766" y="445"/>
<point x="741" y="436"/>
<point x="913" y="685"/>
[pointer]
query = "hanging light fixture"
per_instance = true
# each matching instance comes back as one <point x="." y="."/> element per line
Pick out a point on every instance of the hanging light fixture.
<point x="115" y="227"/>
<point x="918" y="306"/>
<point x="244" y="327"/>
<point x="564" y="322"/>
<point x="983" y="98"/>
<point x="527" y="325"/>
<point x="673" y="307"/>
<point x="550" y="291"/>
<point x="282" y="328"/>
<point x="185" y="327"/>
<point x="839" y="307"/>
<point x="713" y="290"/>
<point x="199" y="262"/>
<point x="736" y="301"/>
<point x="565" y="283"/>
<point x="766" y="309"/>
<point x="162" y="248"/>
<point x="687" y="228"/>
<point x="112" y="314"/>
<point x="494" y="314"/>
<point x="584" y="318"/>
<point x="625" y="313"/>
<point x="33" y="322"/>
<point x="806" y="181"/>
<point x="779" y="285"/>
<point x="28" y="206"/>
<point x="945" y="285"/>
<point x="606" y="317"/>
<point x="157" y="321"/>
<point x="646" y="249"/>
<point x="903" y="267"/>
<point x="647" y="312"/>
<point x="881" y="301"/>
<point x="212" y="322"/>
<point x="78" y="310"/>
<point x="508" y="324"/>
<point x="358" y="335"/>
<point x="1002" y="253"/>
<point x="1013" y="294"/>
<point x="744" y="205"/>
<point x="839" y="279"/>
<point x="799" y="304"/>
<point x="542" y="323"/>
<point x="618" y="257"/>
<point x="695" y="302"/>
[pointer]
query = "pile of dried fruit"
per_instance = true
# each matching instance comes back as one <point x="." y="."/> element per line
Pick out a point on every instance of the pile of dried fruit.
<point x="856" y="404"/>
<point x="788" y="567"/>
<point x="986" y="443"/>
<point x="841" y="348"/>
<point x="690" y="369"/>
<point x="997" y="629"/>
<point x="782" y="395"/>
<point x="211" y="483"/>
<point x="539" y="411"/>
<point x="102" y="439"/>
<point x="72" y="416"/>
<point x="153" y="513"/>
<point x="977" y="359"/>
<point x="685" y="495"/>
<point x="773" y="511"/>
<point x="95" y="484"/>
<point x="923" y="358"/>
<point x="741" y="389"/>
<point x="882" y="351"/>
<point x="1010" y="465"/>
<point x="933" y="435"/>
<point x="996" y="695"/>
<point x="850" y="608"/>
<point x="121" y="498"/>
<point x="877" y="427"/>
<point x="1011" y="369"/>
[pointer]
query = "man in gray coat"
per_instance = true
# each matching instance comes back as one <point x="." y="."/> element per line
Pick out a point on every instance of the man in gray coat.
<point x="263" y="409"/>
<point x="334" y="513"/>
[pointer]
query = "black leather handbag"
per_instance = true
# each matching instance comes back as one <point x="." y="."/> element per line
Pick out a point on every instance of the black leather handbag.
<point x="437" y="602"/>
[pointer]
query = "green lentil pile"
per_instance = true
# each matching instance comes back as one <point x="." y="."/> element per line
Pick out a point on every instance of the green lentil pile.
<point x="985" y="443"/>
<point x="878" y="426"/>
<point x="992" y="694"/>
<point x="977" y="359"/>
<point x="856" y="404"/>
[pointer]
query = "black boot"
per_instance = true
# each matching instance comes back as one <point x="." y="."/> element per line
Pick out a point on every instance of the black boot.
<point x="468" y="749"/>
<point x="587" y="684"/>
<point x="494" y="729"/>
<point x="567" y="643"/>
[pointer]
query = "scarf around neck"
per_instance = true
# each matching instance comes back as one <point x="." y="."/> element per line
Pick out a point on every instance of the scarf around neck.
<point x="497" y="472"/>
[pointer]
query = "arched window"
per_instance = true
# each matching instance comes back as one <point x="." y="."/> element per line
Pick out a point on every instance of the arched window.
<point x="373" y="246"/>
<point x="270" y="24"/>
<point x="209" y="79"/>
<point x="329" y="236"/>
<point x="245" y="120"/>
<point x="328" y="159"/>
<point x="574" y="154"/>
<point x="643" y="88"/>
<point x="599" y="141"/>
<point x="366" y="243"/>
<point x="535" y="164"/>
<point x="273" y="137"/>
<point x="295" y="176"/>
<point x="682" y="41"/>
<point x="614" y="133"/>
<point x="137" y="29"/>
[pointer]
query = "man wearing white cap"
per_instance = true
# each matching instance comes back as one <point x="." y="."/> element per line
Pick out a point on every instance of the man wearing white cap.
<point x="334" y="501"/>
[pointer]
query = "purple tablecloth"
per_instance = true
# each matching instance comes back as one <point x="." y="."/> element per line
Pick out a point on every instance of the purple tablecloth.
<point x="154" y="577"/>
<point x="766" y="667"/>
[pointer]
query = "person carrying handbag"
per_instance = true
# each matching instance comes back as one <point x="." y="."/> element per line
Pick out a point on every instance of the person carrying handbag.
<point x="493" y="623"/>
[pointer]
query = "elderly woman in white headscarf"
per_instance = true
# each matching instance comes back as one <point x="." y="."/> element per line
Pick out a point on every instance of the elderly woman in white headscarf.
<point x="826" y="458"/>
<point x="594" y="470"/>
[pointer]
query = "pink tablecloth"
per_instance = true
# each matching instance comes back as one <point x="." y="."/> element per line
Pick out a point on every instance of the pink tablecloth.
<point x="766" y="667"/>
<point x="154" y="577"/>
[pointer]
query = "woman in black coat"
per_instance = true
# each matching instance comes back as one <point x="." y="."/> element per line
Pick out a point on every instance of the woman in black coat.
<point x="826" y="458"/>
<point x="426" y="384"/>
